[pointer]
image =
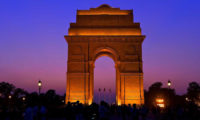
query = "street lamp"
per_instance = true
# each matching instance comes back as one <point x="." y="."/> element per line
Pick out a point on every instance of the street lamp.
<point x="23" y="98"/>
<point x="169" y="83"/>
<point x="9" y="96"/>
<point x="169" y="96"/>
<point x="39" y="85"/>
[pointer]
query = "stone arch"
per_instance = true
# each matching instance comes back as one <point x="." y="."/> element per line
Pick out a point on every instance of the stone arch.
<point x="105" y="31"/>
<point x="105" y="51"/>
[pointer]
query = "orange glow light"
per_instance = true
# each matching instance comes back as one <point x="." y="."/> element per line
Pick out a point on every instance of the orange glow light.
<point x="160" y="100"/>
<point x="161" y="105"/>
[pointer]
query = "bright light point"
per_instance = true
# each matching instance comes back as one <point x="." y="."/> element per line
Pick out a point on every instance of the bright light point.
<point x="119" y="104"/>
<point x="9" y="96"/>
<point x="23" y="98"/>
<point x="169" y="83"/>
<point x="161" y="105"/>
<point x="159" y="100"/>
<point x="39" y="83"/>
<point x="90" y="102"/>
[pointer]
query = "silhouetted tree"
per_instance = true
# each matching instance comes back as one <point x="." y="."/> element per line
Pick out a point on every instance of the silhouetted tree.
<point x="51" y="93"/>
<point x="52" y="98"/>
<point x="193" y="92"/>
<point x="19" y="93"/>
<point x="32" y="99"/>
<point x="155" y="86"/>
<point x="17" y="96"/>
<point x="6" y="89"/>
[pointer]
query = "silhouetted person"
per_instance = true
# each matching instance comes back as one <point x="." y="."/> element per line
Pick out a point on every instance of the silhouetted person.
<point x="68" y="111"/>
<point x="28" y="114"/>
<point x="103" y="111"/>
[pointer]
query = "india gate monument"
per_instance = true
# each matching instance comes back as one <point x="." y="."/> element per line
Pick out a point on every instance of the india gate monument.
<point x="105" y="31"/>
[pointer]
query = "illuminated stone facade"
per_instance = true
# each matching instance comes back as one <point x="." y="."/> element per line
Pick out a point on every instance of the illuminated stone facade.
<point x="105" y="31"/>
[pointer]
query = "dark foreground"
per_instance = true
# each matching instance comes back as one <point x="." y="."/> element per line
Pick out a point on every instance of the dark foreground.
<point x="77" y="111"/>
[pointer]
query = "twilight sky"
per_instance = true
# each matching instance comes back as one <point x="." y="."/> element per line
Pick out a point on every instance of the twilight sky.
<point x="32" y="44"/>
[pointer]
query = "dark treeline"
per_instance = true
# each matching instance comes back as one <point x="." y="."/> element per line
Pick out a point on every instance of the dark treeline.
<point x="18" y="104"/>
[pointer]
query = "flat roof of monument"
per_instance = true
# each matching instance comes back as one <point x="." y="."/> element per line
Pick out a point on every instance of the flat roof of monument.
<point x="104" y="9"/>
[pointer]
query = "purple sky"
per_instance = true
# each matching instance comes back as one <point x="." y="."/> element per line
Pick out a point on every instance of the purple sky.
<point x="32" y="44"/>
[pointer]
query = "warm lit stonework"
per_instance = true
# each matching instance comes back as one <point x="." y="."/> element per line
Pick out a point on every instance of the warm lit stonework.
<point x="105" y="31"/>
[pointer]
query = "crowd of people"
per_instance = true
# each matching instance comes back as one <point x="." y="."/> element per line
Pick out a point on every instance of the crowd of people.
<point x="28" y="112"/>
<point x="77" y="111"/>
<point x="102" y="111"/>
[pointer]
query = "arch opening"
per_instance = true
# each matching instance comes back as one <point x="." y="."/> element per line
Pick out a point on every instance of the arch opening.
<point x="104" y="79"/>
